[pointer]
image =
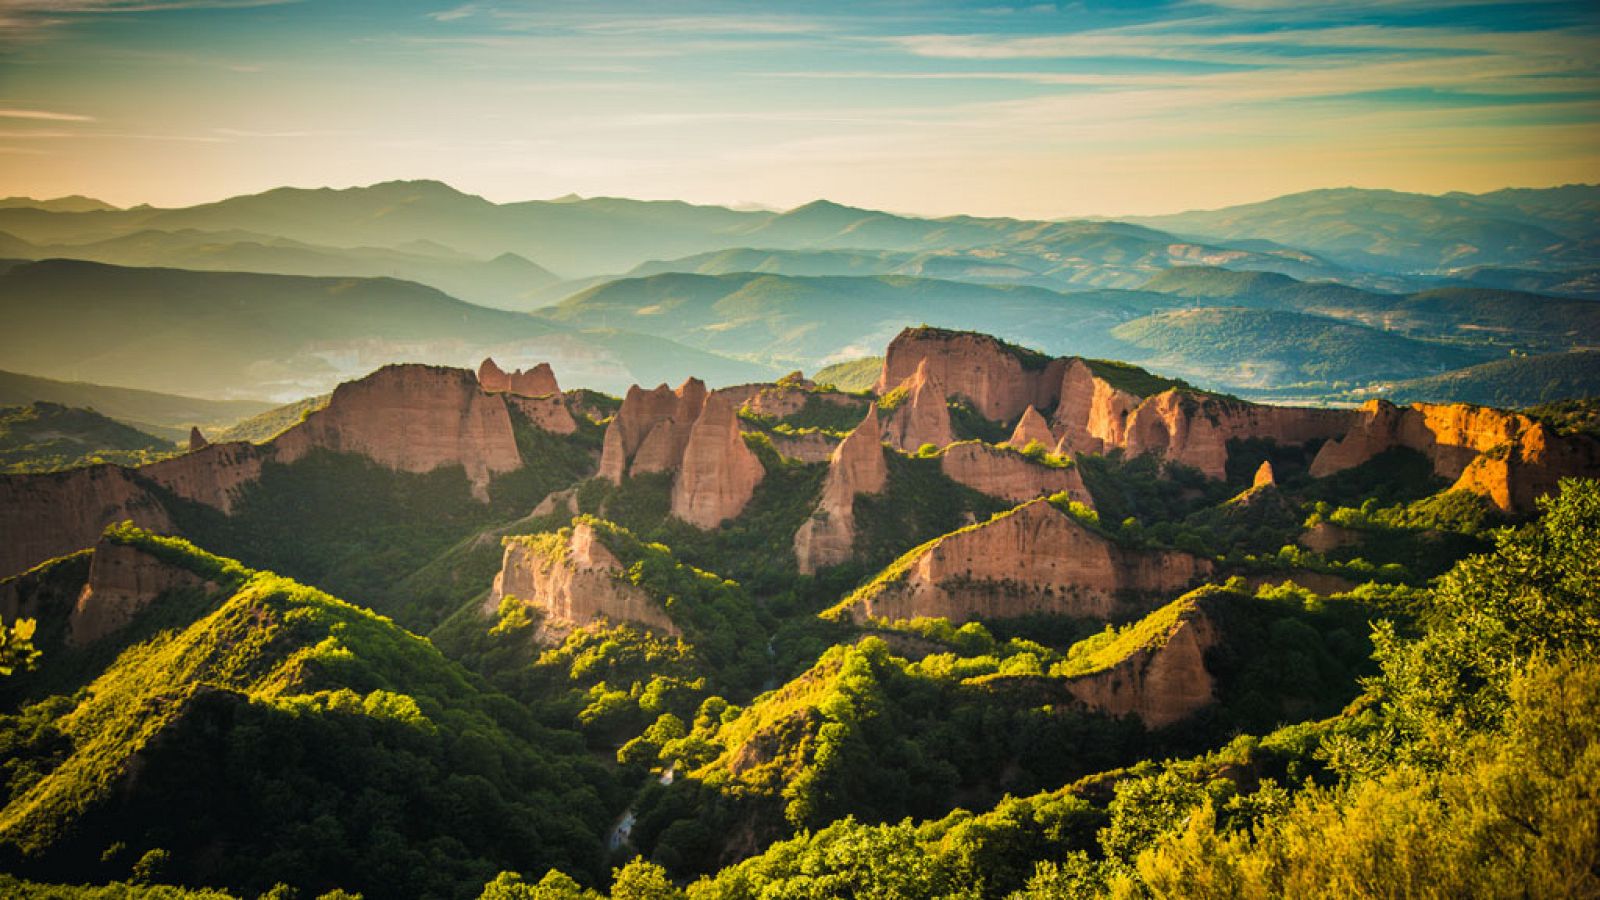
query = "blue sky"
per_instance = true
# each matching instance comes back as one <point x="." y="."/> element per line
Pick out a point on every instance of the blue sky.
<point x="1037" y="110"/>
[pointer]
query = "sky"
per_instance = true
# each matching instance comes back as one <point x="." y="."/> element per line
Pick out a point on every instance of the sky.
<point x="1043" y="111"/>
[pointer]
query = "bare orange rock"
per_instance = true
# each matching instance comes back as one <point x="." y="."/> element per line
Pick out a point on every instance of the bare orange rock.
<point x="538" y="381"/>
<point x="1031" y="428"/>
<point x="213" y="475"/>
<point x="857" y="466"/>
<point x="923" y="415"/>
<point x="491" y="377"/>
<point x="412" y="418"/>
<point x="1004" y="473"/>
<point x="1032" y="560"/>
<point x="547" y="411"/>
<point x="573" y="580"/>
<point x="49" y="515"/>
<point x="1264" y="476"/>
<point x="123" y="581"/>
<point x="197" y="441"/>
<point x="719" y="473"/>
<point x="1504" y="456"/>
<point x="1164" y="682"/>
<point x="1194" y="429"/>
<point x="1091" y="416"/>
<point x="641" y="413"/>
<point x="1324" y="537"/>
<point x="988" y="373"/>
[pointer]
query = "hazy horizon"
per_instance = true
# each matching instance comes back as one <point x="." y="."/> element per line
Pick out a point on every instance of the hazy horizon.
<point x="1033" y="111"/>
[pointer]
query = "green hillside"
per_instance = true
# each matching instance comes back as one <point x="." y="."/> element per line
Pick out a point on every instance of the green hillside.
<point x="1259" y="348"/>
<point x="45" y="437"/>
<point x="852" y="375"/>
<point x="375" y="764"/>
<point x="1501" y="318"/>
<point x="1507" y="383"/>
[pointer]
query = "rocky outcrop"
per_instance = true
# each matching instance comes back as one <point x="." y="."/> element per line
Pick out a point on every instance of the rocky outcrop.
<point x="1164" y="681"/>
<point x="857" y="466"/>
<point x="999" y="380"/>
<point x="1033" y="560"/>
<point x="197" y="441"/>
<point x="719" y="473"/>
<point x="922" y="415"/>
<point x="1325" y="537"/>
<point x="1004" y="473"/>
<point x="413" y="418"/>
<point x="538" y="381"/>
<point x="1091" y="415"/>
<point x="1264" y="477"/>
<point x="214" y="475"/>
<point x="1194" y="429"/>
<point x="548" y="412"/>
<point x="572" y="578"/>
<point x="1504" y="456"/>
<point x="669" y="415"/>
<point x="51" y="515"/>
<point x="1031" y="428"/>
<point x="123" y="581"/>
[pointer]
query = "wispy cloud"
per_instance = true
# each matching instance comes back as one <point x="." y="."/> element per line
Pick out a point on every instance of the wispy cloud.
<point x="44" y="115"/>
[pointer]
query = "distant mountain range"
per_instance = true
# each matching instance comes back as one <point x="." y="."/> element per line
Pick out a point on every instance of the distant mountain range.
<point x="277" y="296"/>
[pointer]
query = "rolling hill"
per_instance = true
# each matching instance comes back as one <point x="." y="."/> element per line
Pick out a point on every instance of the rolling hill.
<point x="1257" y="348"/>
<point x="166" y="415"/>
<point x="1516" y="382"/>
<point x="282" y="336"/>
<point x="1395" y="231"/>
<point x="45" y="437"/>
<point x="806" y="322"/>
<point x="505" y="282"/>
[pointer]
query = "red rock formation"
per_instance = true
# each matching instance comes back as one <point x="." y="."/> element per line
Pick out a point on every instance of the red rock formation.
<point x="572" y="579"/>
<point x="548" y="412"/>
<point x="719" y="473"/>
<point x="1091" y="415"/>
<point x="1506" y="457"/>
<point x="1162" y="683"/>
<point x="413" y="418"/>
<point x="538" y="381"/>
<point x="53" y="514"/>
<point x="1264" y="476"/>
<point x="1031" y="428"/>
<point x="1194" y="429"/>
<point x="123" y="581"/>
<point x="197" y="441"/>
<point x="982" y="369"/>
<point x="1005" y="473"/>
<point x="213" y="475"/>
<point x="1034" y="559"/>
<point x="923" y="416"/>
<point x="642" y="411"/>
<point x="491" y="377"/>
<point x="857" y="466"/>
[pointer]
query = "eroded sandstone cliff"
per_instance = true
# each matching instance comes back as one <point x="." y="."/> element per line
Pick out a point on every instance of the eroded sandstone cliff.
<point x="1034" y="559"/>
<point x="123" y="581"/>
<point x="719" y="473"/>
<point x="572" y="579"/>
<point x="857" y="466"/>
